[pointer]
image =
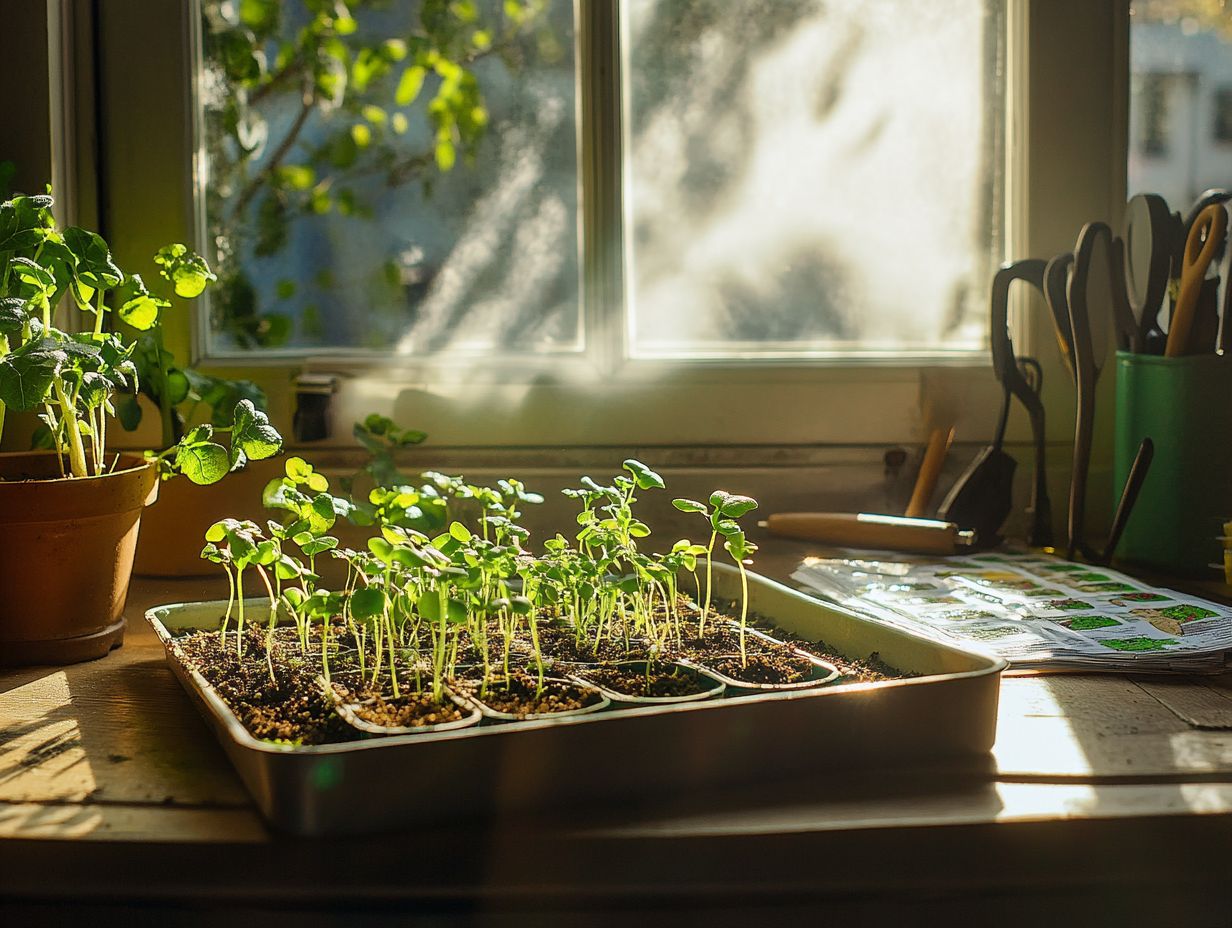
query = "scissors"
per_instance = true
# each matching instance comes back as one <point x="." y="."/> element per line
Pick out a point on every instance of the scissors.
<point x="1144" y="252"/>
<point x="1056" y="282"/>
<point x="1090" y="310"/>
<point x="1006" y="367"/>
<point x="1205" y="239"/>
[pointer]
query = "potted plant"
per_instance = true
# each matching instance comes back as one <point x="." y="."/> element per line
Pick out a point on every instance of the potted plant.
<point x="69" y="514"/>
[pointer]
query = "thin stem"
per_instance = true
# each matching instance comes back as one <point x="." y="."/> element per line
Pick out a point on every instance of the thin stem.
<point x="164" y="391"/>
<point x="226" y="619"/>
<point x="701" y="623"/>
<point x="744" y="610"/>
<point x="239" y="623"/>
<point x="98" y="315"/>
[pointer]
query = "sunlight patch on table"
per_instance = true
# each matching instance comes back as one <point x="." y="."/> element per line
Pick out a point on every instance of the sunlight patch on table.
<point x="41" y="753"/>
<point x="32" y="820"/>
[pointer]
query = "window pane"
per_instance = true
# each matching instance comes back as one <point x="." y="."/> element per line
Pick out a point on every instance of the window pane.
<point x="811" y="176"/>
<point x="391" y="174"/>
<point x="1180" y="114"/>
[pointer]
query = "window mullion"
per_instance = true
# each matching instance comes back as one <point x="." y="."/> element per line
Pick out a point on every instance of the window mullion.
<point x="600" y="158"/>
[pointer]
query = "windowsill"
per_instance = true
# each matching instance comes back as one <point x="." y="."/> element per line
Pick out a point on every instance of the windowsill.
<point x="138" y="804"/>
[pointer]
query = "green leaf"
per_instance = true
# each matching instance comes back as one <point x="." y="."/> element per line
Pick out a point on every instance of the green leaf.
<point x="645" y="478"/>
<point x="202" y="462"/>
<point x="95" y="266"/>
<point x="128" y="411"/>
<point x="368" y="603"/>
<point x="381" y="548"/>
<point x="736" y="506"/>
<point x="296" y="176"/>
<point x="409" y="85"/>
<point x="26" y="377"/>
<point x="260" y="15"/>
<point x="313" y="547"/>
<point x="186" y="270"/>
<point x="446" y="154"/>
<point x="298" y="469"/>
<point x="13" y="317"/>
<point x="429" y="606"/>
<point x="141" y="312"/>
<point x="460" y="532"/>
<point x="690" y="505"/>
<point x="253" y="434"/>
<point x="177" y="386"/>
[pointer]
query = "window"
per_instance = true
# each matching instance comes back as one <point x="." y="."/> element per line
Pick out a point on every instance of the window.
<point x="1153" y="105"/>
<point x="1181" y="98"/>
<point x="630" y="378"/>
<point x="1221" y="115"/>
<point x="799" y="180"/>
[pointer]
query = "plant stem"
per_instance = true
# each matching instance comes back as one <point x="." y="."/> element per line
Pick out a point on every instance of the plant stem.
<point x="744" y="610"/>
<point x="239" y="622"/>
<point x="98" y="315"/>
<point x="164" y="391"/>
<point x="701" y="623"/>
<point x="226" y="619"/>
<point x="77" y="454"/>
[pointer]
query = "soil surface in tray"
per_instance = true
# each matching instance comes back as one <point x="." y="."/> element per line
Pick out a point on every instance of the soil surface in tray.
<point x="520" y="695"/>
<point x="664" y="680"/>
<point x="780" y="668"/>
<point x="287" y="707"/>
<point x="287" y="704"/>
<point x="378" y="705"/>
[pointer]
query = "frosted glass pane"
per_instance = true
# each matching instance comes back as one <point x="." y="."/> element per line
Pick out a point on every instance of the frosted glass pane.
<point x="811" y="176"/>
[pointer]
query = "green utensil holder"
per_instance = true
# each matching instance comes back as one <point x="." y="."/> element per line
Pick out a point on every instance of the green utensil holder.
<point x="1185" y="406"/>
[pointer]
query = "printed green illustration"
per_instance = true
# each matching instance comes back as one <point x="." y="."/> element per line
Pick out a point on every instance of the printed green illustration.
<point x="1069" y="605"/>
<point x="1112" y="586"/>
<point x="1186" y="612"/>
<point x="1084" y="623"/>
<point x="1141" y="643"/>
<point x="990" y="632"/>
<point x="1128" y="599"/>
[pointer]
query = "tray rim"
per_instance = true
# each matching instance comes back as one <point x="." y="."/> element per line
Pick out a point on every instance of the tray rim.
<point x="242" y="738"/>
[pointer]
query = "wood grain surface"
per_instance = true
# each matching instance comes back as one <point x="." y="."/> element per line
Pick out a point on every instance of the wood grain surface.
<point x="110" y="755"/>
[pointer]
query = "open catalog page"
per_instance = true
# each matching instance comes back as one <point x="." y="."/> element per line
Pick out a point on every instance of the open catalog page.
<point x="1033" y="610"/>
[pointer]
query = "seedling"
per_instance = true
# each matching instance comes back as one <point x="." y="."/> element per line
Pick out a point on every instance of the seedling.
<point x="412" y="600"/>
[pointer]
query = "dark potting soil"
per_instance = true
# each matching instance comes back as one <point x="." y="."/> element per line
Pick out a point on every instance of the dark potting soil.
<point x="663" y="680"/>
<point x="520" y="695"/>
<point x="779" y="667"/>
<point x="289" y="707"/>
<point x="410" y="710"/>
<point x="563" y="645"/>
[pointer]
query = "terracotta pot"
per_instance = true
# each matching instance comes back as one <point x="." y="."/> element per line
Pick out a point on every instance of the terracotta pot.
<point x="173" y="532"/>
<point x="66" y="554"/>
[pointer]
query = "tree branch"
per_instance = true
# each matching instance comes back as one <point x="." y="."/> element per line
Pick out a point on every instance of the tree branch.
<point x="275" y="160"/>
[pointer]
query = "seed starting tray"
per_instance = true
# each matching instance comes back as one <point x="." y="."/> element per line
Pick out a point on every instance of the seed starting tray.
<point x="947" y="712"/>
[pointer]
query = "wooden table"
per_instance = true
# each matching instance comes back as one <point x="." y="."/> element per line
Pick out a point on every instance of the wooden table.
<point x="1107" y="800"/>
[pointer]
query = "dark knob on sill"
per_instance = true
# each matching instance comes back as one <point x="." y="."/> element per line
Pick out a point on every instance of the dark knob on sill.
<point x="314" y="395"/>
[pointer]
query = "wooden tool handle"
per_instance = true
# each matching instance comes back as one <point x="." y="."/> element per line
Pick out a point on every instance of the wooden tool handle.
<point x="851" y="530"/>
<point x="1205" y="238"/>
<point x="930" y="470"/>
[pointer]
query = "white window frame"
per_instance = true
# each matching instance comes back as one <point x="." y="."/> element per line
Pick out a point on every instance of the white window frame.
<point x="1067" y="80"/>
